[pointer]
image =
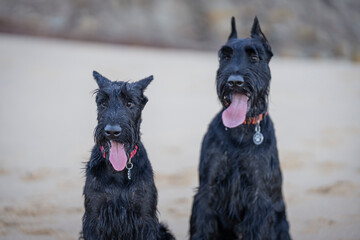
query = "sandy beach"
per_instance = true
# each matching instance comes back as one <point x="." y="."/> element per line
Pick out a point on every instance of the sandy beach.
<point x="48" y="115"/>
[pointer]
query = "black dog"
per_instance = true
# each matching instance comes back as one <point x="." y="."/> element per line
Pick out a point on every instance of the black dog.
<point x="119" y="203"/>
<point x="240" y="195"/>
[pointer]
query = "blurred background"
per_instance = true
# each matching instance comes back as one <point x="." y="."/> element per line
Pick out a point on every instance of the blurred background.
<point x="319" y="29"/>
<point x="48" y="50"/>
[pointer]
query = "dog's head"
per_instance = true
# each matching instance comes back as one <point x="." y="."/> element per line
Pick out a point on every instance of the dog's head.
<point x="119" y="106"/>
<point x="243" y="77"/>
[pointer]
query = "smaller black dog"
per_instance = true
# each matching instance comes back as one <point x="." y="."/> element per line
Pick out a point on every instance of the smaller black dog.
<point x="240" y="194"/>
<point x="120" y="193"/>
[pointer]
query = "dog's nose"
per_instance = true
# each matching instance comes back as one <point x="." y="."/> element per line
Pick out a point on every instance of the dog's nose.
<point x="112" y="130"/>
<point x="235" y="81"/>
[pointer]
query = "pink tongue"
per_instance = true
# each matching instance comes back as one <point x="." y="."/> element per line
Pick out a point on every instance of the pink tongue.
<point x="117" y="156"/>
<point x="235" y="114"/>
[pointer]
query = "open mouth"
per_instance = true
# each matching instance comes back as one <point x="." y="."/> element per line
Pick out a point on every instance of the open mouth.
<point x="117" y="155"/>
<point x="237" y="105"/>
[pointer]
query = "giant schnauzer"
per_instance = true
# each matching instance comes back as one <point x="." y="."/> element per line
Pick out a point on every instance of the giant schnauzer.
<point x="120" y="194"/>
<point x="240" y="194"/>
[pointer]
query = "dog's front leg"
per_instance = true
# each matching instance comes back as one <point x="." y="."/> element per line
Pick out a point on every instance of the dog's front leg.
<point x="203" y="222"/>
<point x="146" y="228"/>
<point x="259" y="222"/>
<point x="89" y="230"/>
<point x="89" y="226"/>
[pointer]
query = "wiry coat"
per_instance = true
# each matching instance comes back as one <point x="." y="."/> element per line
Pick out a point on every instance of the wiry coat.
<point x="240" y="185"/>
<point x="117" y="207"/>
<point x="240" y="194"/>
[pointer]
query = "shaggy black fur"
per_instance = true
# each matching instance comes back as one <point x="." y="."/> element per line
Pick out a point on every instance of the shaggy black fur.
<point x="117" y="207"/>
<point x="240" y="194"/>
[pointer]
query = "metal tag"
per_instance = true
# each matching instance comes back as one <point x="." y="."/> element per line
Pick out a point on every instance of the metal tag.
<point x="258" y="137"/>
<point x="129" y="166"/>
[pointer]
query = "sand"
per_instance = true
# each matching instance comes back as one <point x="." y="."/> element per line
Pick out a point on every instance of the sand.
<point x="48" y="115"/>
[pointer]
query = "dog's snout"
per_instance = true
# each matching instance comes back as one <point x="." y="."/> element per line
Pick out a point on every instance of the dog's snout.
<point x="112" y="131"/>
<point x="235" y="81"/>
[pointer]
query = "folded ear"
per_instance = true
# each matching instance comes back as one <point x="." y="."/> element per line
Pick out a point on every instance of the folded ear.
<point x="101" y="80"/>
<point x="233" y="33"/>
<point x="143" y="83"/>
<point x="257" y="33"/>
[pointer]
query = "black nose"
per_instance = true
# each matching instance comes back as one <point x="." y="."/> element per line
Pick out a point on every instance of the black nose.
<point x="112" y="131"/>
<point x="235" y="81"/>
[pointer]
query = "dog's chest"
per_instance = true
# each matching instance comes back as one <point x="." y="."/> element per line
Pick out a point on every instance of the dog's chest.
<point x="237" y="180"/>
<point x="115" y="193"/>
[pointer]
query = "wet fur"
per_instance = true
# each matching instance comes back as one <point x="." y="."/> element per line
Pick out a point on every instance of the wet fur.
<point x="240" y="195"/>
<point x="116" y="207"/>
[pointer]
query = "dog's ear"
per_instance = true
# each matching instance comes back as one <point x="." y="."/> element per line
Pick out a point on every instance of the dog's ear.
<point x="257" y="33"/>
<point x="233" y="33"/>
<point x="143" y="83"/>
<point x="101" y="80"/>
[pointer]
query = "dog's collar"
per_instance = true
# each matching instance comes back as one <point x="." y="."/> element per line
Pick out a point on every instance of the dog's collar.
<point x="255" y="120"/>
<point x="129" y="164"/>
<point x="132" y="154"/>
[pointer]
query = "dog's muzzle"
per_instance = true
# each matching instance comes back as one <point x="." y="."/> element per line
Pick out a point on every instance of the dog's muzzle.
<point x="235" y="82"/>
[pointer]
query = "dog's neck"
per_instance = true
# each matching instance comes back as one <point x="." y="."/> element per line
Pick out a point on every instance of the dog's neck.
<point x="132" y="154"/>
<point x="255" y="120"/>
<point x="244" y="133"/>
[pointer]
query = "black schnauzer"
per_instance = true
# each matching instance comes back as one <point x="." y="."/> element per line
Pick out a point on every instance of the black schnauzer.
<point x="120" y="204"/>
<point x="240" y="194"/>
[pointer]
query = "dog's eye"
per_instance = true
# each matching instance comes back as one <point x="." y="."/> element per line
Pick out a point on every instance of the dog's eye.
<point x="103" y="104"/>
<point x="252" y="54"/>
<point x="129" y="104"/>
<point x="254" y="58"/>
<point x="227" y="57"/>
<point x="226" y="52"/>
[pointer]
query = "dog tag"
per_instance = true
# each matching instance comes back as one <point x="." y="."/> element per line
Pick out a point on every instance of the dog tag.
<point x="129" y="166"/>
<point x="258" y="137"/>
